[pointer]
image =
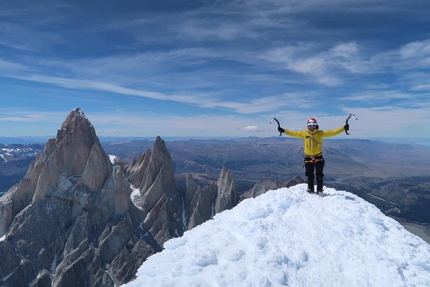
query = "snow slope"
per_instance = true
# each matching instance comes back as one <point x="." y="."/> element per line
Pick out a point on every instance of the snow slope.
<point x="287" y="237"/>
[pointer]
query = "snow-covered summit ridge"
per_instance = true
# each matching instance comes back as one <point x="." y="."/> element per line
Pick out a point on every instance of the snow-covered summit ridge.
<point x="287" y="237"/>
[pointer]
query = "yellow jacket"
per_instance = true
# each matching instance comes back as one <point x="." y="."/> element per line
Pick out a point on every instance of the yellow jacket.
<point x="313" y="139"/>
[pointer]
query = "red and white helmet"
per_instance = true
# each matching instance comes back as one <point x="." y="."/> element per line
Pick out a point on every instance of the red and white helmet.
<point x="312" y="122"/>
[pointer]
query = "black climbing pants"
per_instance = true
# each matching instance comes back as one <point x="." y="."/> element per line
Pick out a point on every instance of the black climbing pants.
<point x="314" y="168"/>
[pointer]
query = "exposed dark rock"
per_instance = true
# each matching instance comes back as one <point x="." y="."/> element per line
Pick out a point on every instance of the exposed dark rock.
<point x="44" y="279"/>
<point x="71" y="216"/>
<point x="13" y="260"/>
<point x="227" y="196"/>
<point x="158" y="197"/>
<point x="199" y="202"/>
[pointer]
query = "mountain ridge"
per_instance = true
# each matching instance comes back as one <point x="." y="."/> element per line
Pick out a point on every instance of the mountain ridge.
<point x="72" y="219"/>
<point x="278" y="159"/>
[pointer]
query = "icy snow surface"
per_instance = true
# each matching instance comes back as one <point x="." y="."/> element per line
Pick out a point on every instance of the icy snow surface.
<point x="112" y="158"/>
<point x="287" y="237"/>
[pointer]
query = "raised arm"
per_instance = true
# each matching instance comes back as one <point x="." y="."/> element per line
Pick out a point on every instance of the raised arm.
<point x="335" y="132"/>
<point x="296" y="134"/>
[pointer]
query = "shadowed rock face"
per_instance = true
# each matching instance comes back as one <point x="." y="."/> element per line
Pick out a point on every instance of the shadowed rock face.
<point x="75" y="157"/>
<point x="199" y="202"/>
<point x="70" y="220"/>
<point x="67" y="159"/>
<point x="158" y="198"/>
<point x="168" y="212"/>
<point x="227" y="196"/>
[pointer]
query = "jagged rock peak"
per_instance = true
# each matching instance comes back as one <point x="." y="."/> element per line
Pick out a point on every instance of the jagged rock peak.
<point x="227" y="196"/>
<point x="77" y="125"/>
<point x="70" y="221"/>
<point x="160" y="147"/>
<point x="75" y="154"/>
<point x="78" y="112"/>
<point x="159" y="197"/>
<point x="75" y="116"/>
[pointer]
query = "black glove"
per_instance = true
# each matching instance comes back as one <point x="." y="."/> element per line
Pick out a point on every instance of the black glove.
<point x="281" y="130"/>
<point x="346" y="127"/>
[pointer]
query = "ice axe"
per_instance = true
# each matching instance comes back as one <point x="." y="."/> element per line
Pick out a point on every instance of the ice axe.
<point x="347" y="119"/>
<point x="279" y="125"/>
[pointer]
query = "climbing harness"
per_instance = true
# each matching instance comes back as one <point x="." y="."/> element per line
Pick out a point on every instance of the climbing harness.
<point x="313" y="159"/>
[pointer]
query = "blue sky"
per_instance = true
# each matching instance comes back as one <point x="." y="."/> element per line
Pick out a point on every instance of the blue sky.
<point x="215" y="68"/>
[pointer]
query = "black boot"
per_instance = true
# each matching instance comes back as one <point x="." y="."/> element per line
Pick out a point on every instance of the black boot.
<point x="319" y="185"/>
<point x="310" y="185"/>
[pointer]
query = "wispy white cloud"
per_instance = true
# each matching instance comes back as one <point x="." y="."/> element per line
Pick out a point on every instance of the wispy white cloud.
<point x="390" y="121"/>
<point x="328" y="66"/>
<point x="422" y="87"/>
<point x="325" y="66"/>
<point x="227" y="57"/>
<point x="26" y="38"/>
<point x="251" y="106"/>
<point x="416" y="50"/>
<point x="259" y="105"/>
<point x="12" y="67"/>
<point x="20" y="115"/>
<point x="377" y="96"/>
<point x="252" y="129"/>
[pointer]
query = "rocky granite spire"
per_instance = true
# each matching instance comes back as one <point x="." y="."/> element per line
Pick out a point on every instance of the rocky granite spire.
<point x="70" y="221"/>
<point x="75" y="156"/>
<point x="227" y="196"/>
<point x="199" y="202"/>
<point x="158" y="197"/>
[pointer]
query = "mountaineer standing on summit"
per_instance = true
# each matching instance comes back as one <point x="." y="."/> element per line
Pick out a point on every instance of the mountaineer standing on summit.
<point x="314" y="161"/>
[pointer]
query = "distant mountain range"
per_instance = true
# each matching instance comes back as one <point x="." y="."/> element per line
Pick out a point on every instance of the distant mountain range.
<point x="14" y="162"/>
<point x="393" y="176"/>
